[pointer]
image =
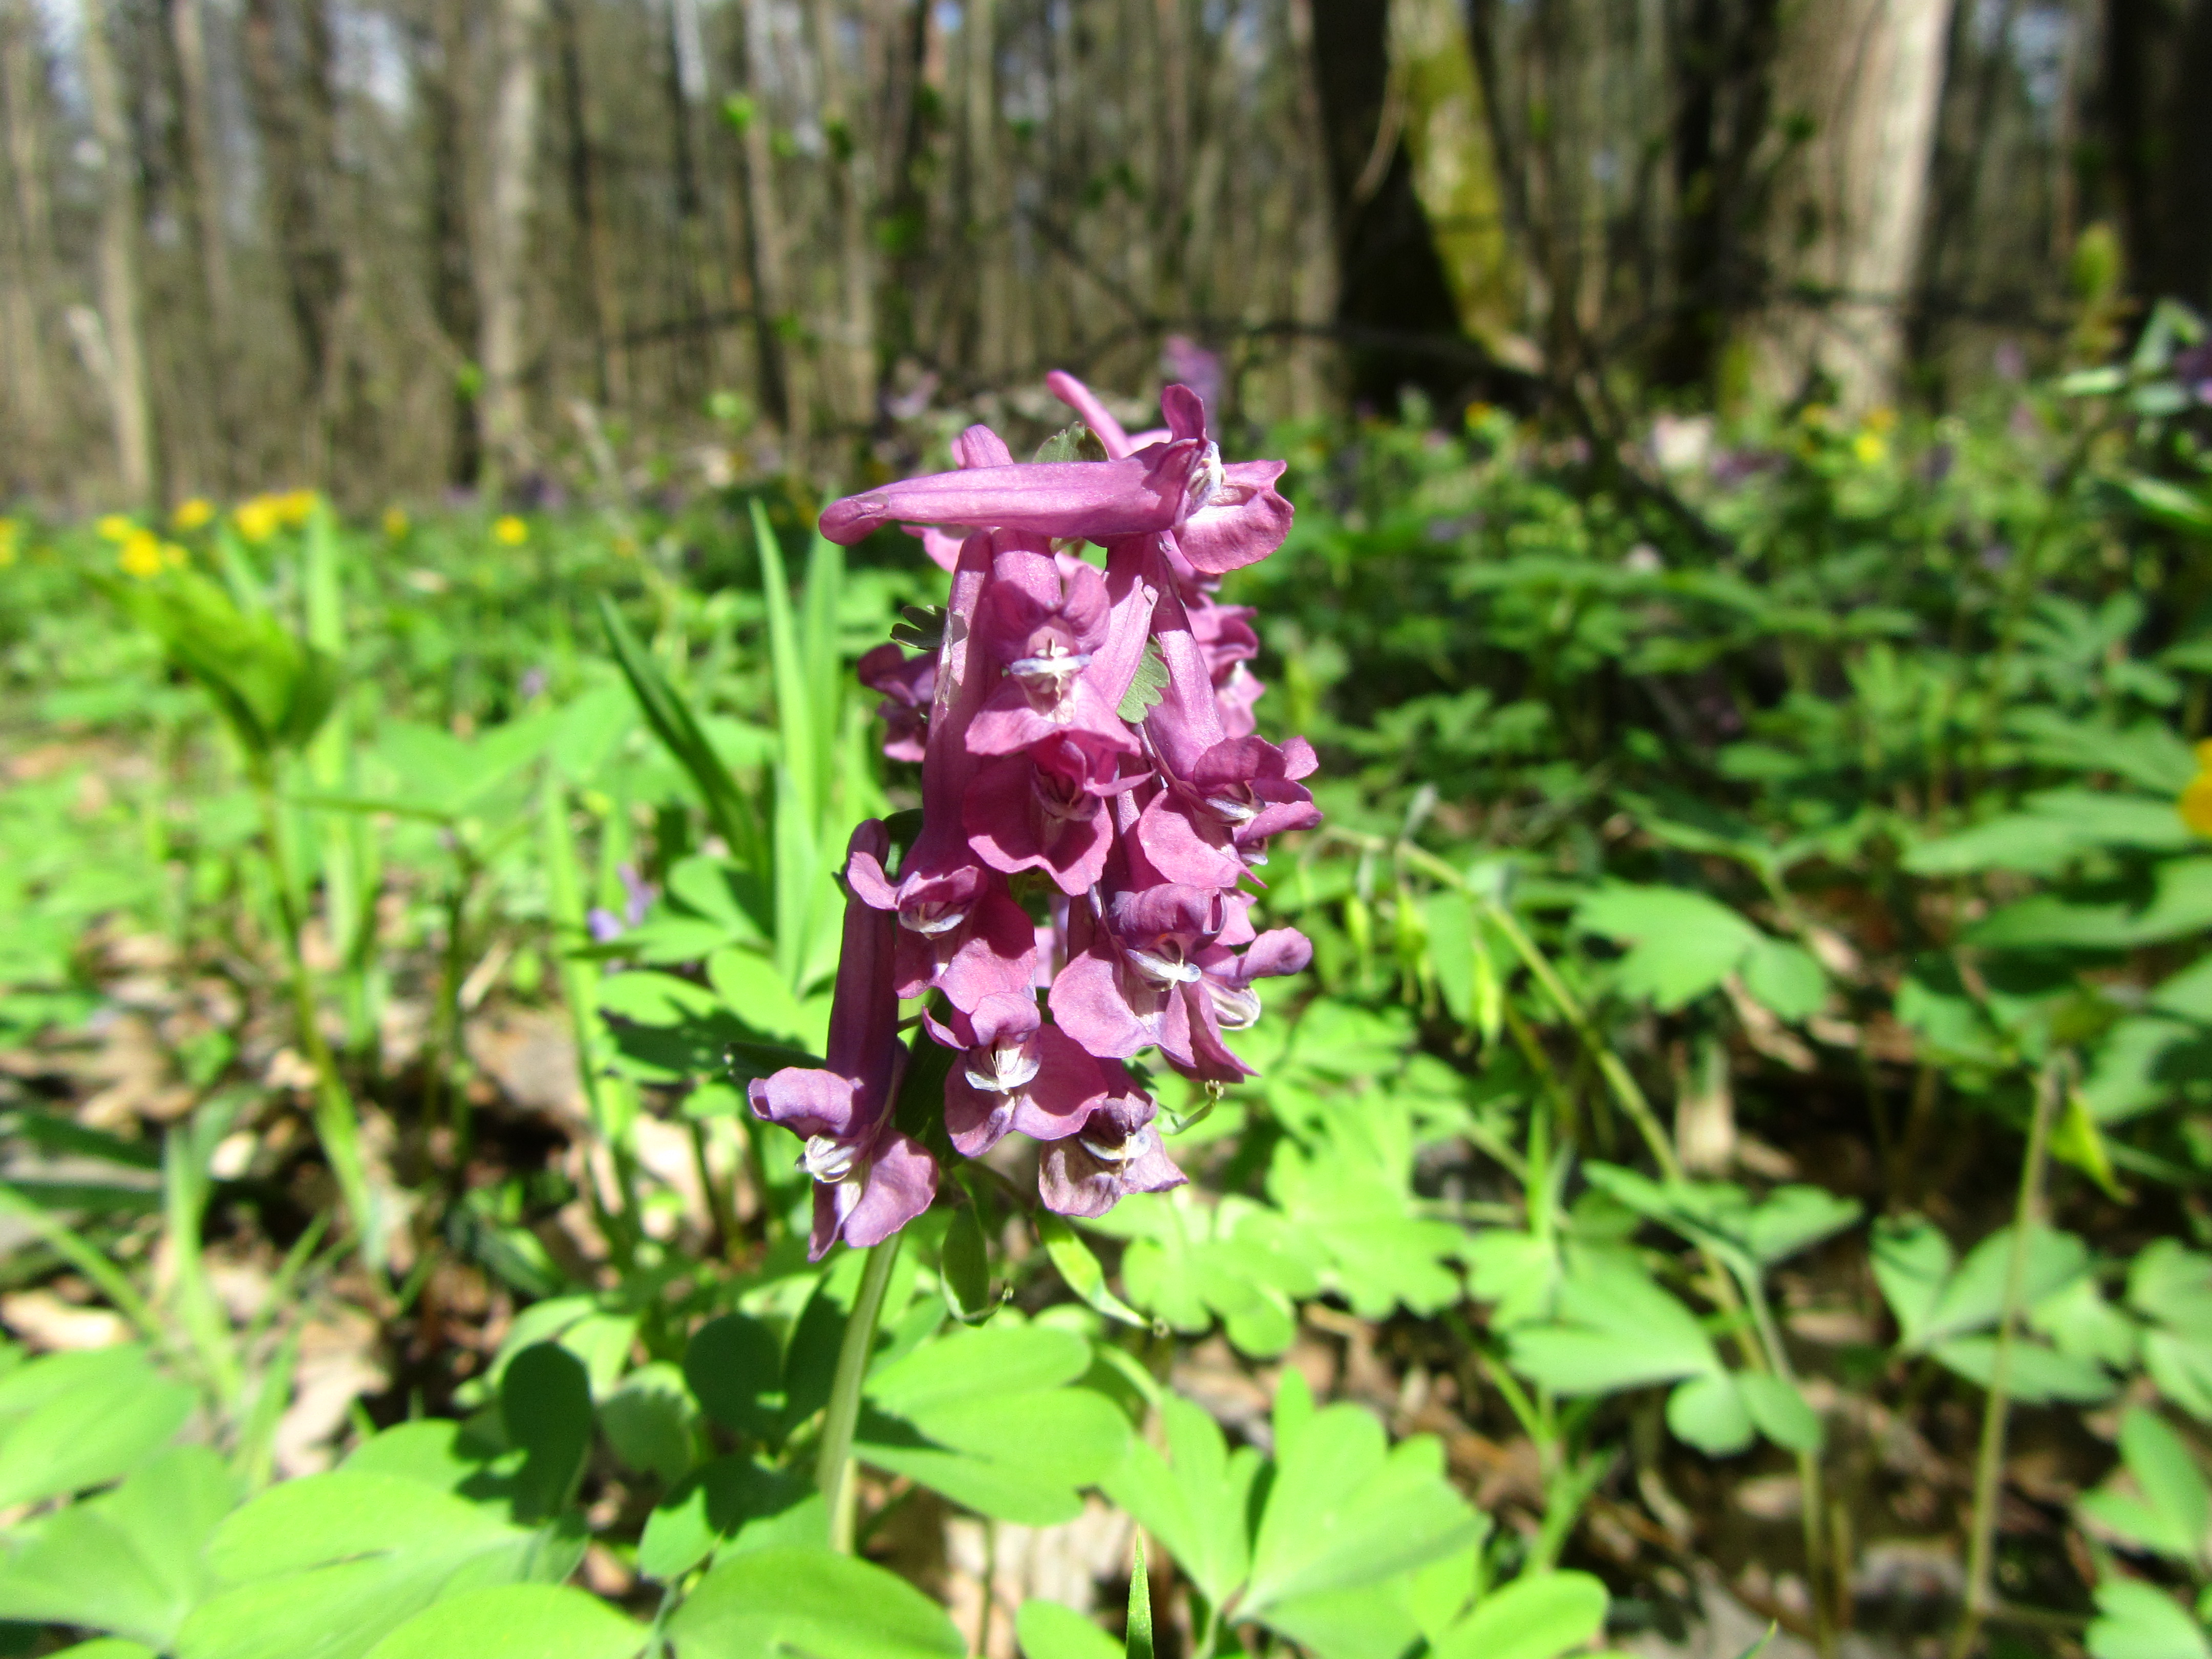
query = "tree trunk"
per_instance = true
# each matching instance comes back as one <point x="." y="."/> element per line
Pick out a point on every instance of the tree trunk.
<point x="984" y="210"/>
<point x="783" y="378"/>
<point x="2158" y="62"/>
<point x="852" y="182"/>
<point x="1392" y="294"/>
<point x="129" y="415"/>
<point x="442" y="71"/>
<point x="203" y="200"/>
<point x="27" y="266"/>
<point x="601" y="295"/>
<point x="288" y="64"/>
<point x="503" y="247"/>
<point x="1723" y="75"/>
<point x="1456" y="175"/>
<point x="1864" y="78"/>
<point x="188" y="35"/>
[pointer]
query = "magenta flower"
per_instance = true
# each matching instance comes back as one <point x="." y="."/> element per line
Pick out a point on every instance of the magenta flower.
<point x="1016" y="1072"/>
<point x="870" y="1180"/>
<point x="907" y="684"/>
<point x="1116" y="1152"/>
<point x="1076" y="895"/>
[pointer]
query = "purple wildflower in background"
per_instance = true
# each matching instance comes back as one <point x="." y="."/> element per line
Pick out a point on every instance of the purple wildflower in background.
<point x="1094" y="796"/>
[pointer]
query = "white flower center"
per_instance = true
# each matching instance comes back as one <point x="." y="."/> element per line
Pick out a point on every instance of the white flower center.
<point x="933" y="916"/>
<point x="1001" y="1069"/>
<point x="827" y="1159"/>
<point x="1166" y="966"/>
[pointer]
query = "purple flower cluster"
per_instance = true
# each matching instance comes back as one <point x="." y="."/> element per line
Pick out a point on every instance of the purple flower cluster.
<point x="1093" y="795"/>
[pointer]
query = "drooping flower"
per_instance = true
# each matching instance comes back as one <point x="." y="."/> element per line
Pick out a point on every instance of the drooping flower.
<point x="869" y="1179"/>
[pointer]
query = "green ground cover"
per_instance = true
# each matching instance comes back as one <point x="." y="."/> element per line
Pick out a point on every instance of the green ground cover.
<point x="1749" y="1115"/>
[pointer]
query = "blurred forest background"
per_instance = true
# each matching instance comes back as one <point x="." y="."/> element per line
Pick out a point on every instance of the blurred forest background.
<point x="393" y="247"/>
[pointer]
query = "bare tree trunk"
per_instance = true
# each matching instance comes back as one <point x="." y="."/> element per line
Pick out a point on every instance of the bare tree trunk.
<point x="602" y="294"/>
<point x="851" y="158"/>
<point x="1866" y="76"/>
<point x="25" y="268"/>
<point x="503" y="246"/>
<point x="983" y="210"/>
<point x="131" y="418"/>
<point x="1392" y="295"/>
<point x="1723" y="71"/>
<point x="783" y="377"/>
<point x="188" y="33"/>
<point x="288" y="63"/>
<point x="1456" y="175"/>
<point x="442" y="71"/>
<point x="204" y="197"/>
<point x="2157" y="58"/>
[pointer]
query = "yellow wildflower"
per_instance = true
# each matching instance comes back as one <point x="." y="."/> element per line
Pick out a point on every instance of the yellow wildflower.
<point x="1871" y="448"/>
<point x="116" y="527"/>
<point x="174" y="556"/>
<point x="193" y="513"/>
<point x="2196" y="799"/>
<point x="509" y="531"/>
<point x="257" y="519"/>
<point x="141" y="556"/>
<point x="395" y="522"/>
<point x="10" y="535"/>
<point x="294" y="507"/>
<point x="1883" y="419"/>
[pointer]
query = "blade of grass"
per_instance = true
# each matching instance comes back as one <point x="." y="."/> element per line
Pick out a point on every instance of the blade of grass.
<point x="680" y="734"/>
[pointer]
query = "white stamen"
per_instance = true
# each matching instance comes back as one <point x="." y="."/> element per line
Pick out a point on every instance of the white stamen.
<point x="933" y="916"/>
<point x="1163" y="970"/>
<point x="1205" y="481"/>
<point x="1000" y="1070"/>
<point x="1235" y="1007"/>
<point x="828" y="1160"/>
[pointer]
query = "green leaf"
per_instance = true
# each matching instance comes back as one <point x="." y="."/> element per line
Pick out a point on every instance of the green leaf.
<point x="1073" y="442"/>
<point x="545" y="1405"/>
<point x="734" y="1366"/>
<point x="1047" y="1630"/>
<point x="129" y="1560"/>
<point x="984" y="1417"/>
<point x="515" y="1621"/>
<point x="326" y="1566"/>
<point x="1538" y="1616"/>
<point x="2137" y="1621"/>
<point x="731" y="1504"/>
<point x="72" y="1420"/>
<point x="1784" y="979"/>
<point x="1194" y="1499"/>
<point x="1347" y="1511"/>
<point x="1081" y="1270"/>
<point x="766" y="1604"/>
<point x="2175" y="1513"/>
<point x="1149" y="685"/>
<point x="1683" y="944"/>
<point x="1616" y="1330"/>
<point x="964" y="1267"/>
<point x="2035" y="1374"/>
<point x="679" y="730"/>
<point x="1710" y="1414"/>
<point x="1913" y="1262"/>
<point x="1140" y="1643"/>
<point x="1781" y="1411"/>
<point x="648" y="1421"/>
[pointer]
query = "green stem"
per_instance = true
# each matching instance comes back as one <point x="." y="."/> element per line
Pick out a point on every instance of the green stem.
<point x="337" y="1124"/>
<point x="1624" y="1089"/>
<point x="1989" y="1461"/>
<point x="833" y="1464"/>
